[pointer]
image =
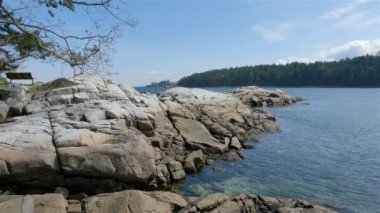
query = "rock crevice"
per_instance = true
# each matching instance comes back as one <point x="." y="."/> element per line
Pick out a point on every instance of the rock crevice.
<point x="59" y="161"/>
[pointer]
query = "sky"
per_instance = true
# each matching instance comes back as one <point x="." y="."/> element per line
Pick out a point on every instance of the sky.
<point x="175" y="38"/>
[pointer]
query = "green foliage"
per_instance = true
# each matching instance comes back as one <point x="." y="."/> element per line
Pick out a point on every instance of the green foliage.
<point x="16" y="44"/>
<point x="3" y="82"/>
<point x="25" y="43"/>
<point x="56" y="3"/>
<point x="25" y="35"/>
<point x="58" y="83"/>
<point x="363" y="71"/>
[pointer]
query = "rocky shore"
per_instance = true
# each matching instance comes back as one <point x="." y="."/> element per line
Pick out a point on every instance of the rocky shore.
<point x="96" y="136"/>
<point x="131" y="201"/>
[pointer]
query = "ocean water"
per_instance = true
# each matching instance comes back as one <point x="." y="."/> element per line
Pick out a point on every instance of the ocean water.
<point x="328" y="152"/>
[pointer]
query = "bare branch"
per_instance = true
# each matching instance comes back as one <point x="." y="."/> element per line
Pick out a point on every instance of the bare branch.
<point x="81" y="52"/>
<point x="99" y="3"/>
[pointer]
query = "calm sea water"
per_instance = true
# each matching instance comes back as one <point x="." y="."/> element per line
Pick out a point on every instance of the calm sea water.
<point x="328" y="151"/>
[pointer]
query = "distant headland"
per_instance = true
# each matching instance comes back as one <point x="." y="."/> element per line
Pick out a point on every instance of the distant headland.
<point x="362" y="71"/>
<point x="164" y="84"/>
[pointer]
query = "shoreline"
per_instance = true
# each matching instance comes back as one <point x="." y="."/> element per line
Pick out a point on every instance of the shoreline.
<point x="113" y="137"/>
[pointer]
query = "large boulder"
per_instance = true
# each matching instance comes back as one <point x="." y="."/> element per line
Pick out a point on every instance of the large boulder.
<point x="15" y="97"/>
<point x="127" y="201"/>
<point x="33" y="203"/>
<point x="15" y="107"/>
<point x="270" y="126"/>
<point x="175" y="109"/>
<point x="235" y="143"/>
<point x="197" y="135"/>
<point x="129" y="159"/>
<point x="89" y="145"/>
<point x="17" y="93"/>
<point x="231" y="155"/>
<point x="176" y="170"/>
<point x="4" y="108"/>
<point x="211" y="201"/>
<point x="223" y="115"/>
<point x="27" y="151"/>
<point x="256" y="97"/>
<point x="86" y="88"/>
<point x="35" y="106"/>
<point x="176" y="200"/>
<point x="194" y="161"/>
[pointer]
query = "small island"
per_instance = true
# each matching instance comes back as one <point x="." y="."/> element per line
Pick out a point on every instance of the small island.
<point x="164" y="84"/>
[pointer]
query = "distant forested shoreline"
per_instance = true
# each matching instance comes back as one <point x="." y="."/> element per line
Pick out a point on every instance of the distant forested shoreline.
<point x="362" y="71"/>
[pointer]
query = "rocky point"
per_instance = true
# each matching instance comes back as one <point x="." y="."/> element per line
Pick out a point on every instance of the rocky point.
<point x="97" y="136"/>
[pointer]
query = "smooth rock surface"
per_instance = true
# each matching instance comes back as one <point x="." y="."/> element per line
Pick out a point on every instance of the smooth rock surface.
<point x="197" y="135"/>
<point x="210" y="201"/>
<point x="27" y="151"/>
<point x="125" y="202"/>
<point x="33" y="203"/>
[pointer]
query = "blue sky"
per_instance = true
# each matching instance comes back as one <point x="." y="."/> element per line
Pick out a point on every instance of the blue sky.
<point x="176" y="38"/>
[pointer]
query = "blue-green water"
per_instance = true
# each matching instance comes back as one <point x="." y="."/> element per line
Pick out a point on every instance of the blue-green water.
<point x="328" y="151"/>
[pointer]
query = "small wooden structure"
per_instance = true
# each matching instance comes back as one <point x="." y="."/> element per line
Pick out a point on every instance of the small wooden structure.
<point x="19" y="76"/>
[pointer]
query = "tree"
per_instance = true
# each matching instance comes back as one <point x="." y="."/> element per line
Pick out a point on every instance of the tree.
<point x="362" y="71"/>
<point x="33" y="29"/>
